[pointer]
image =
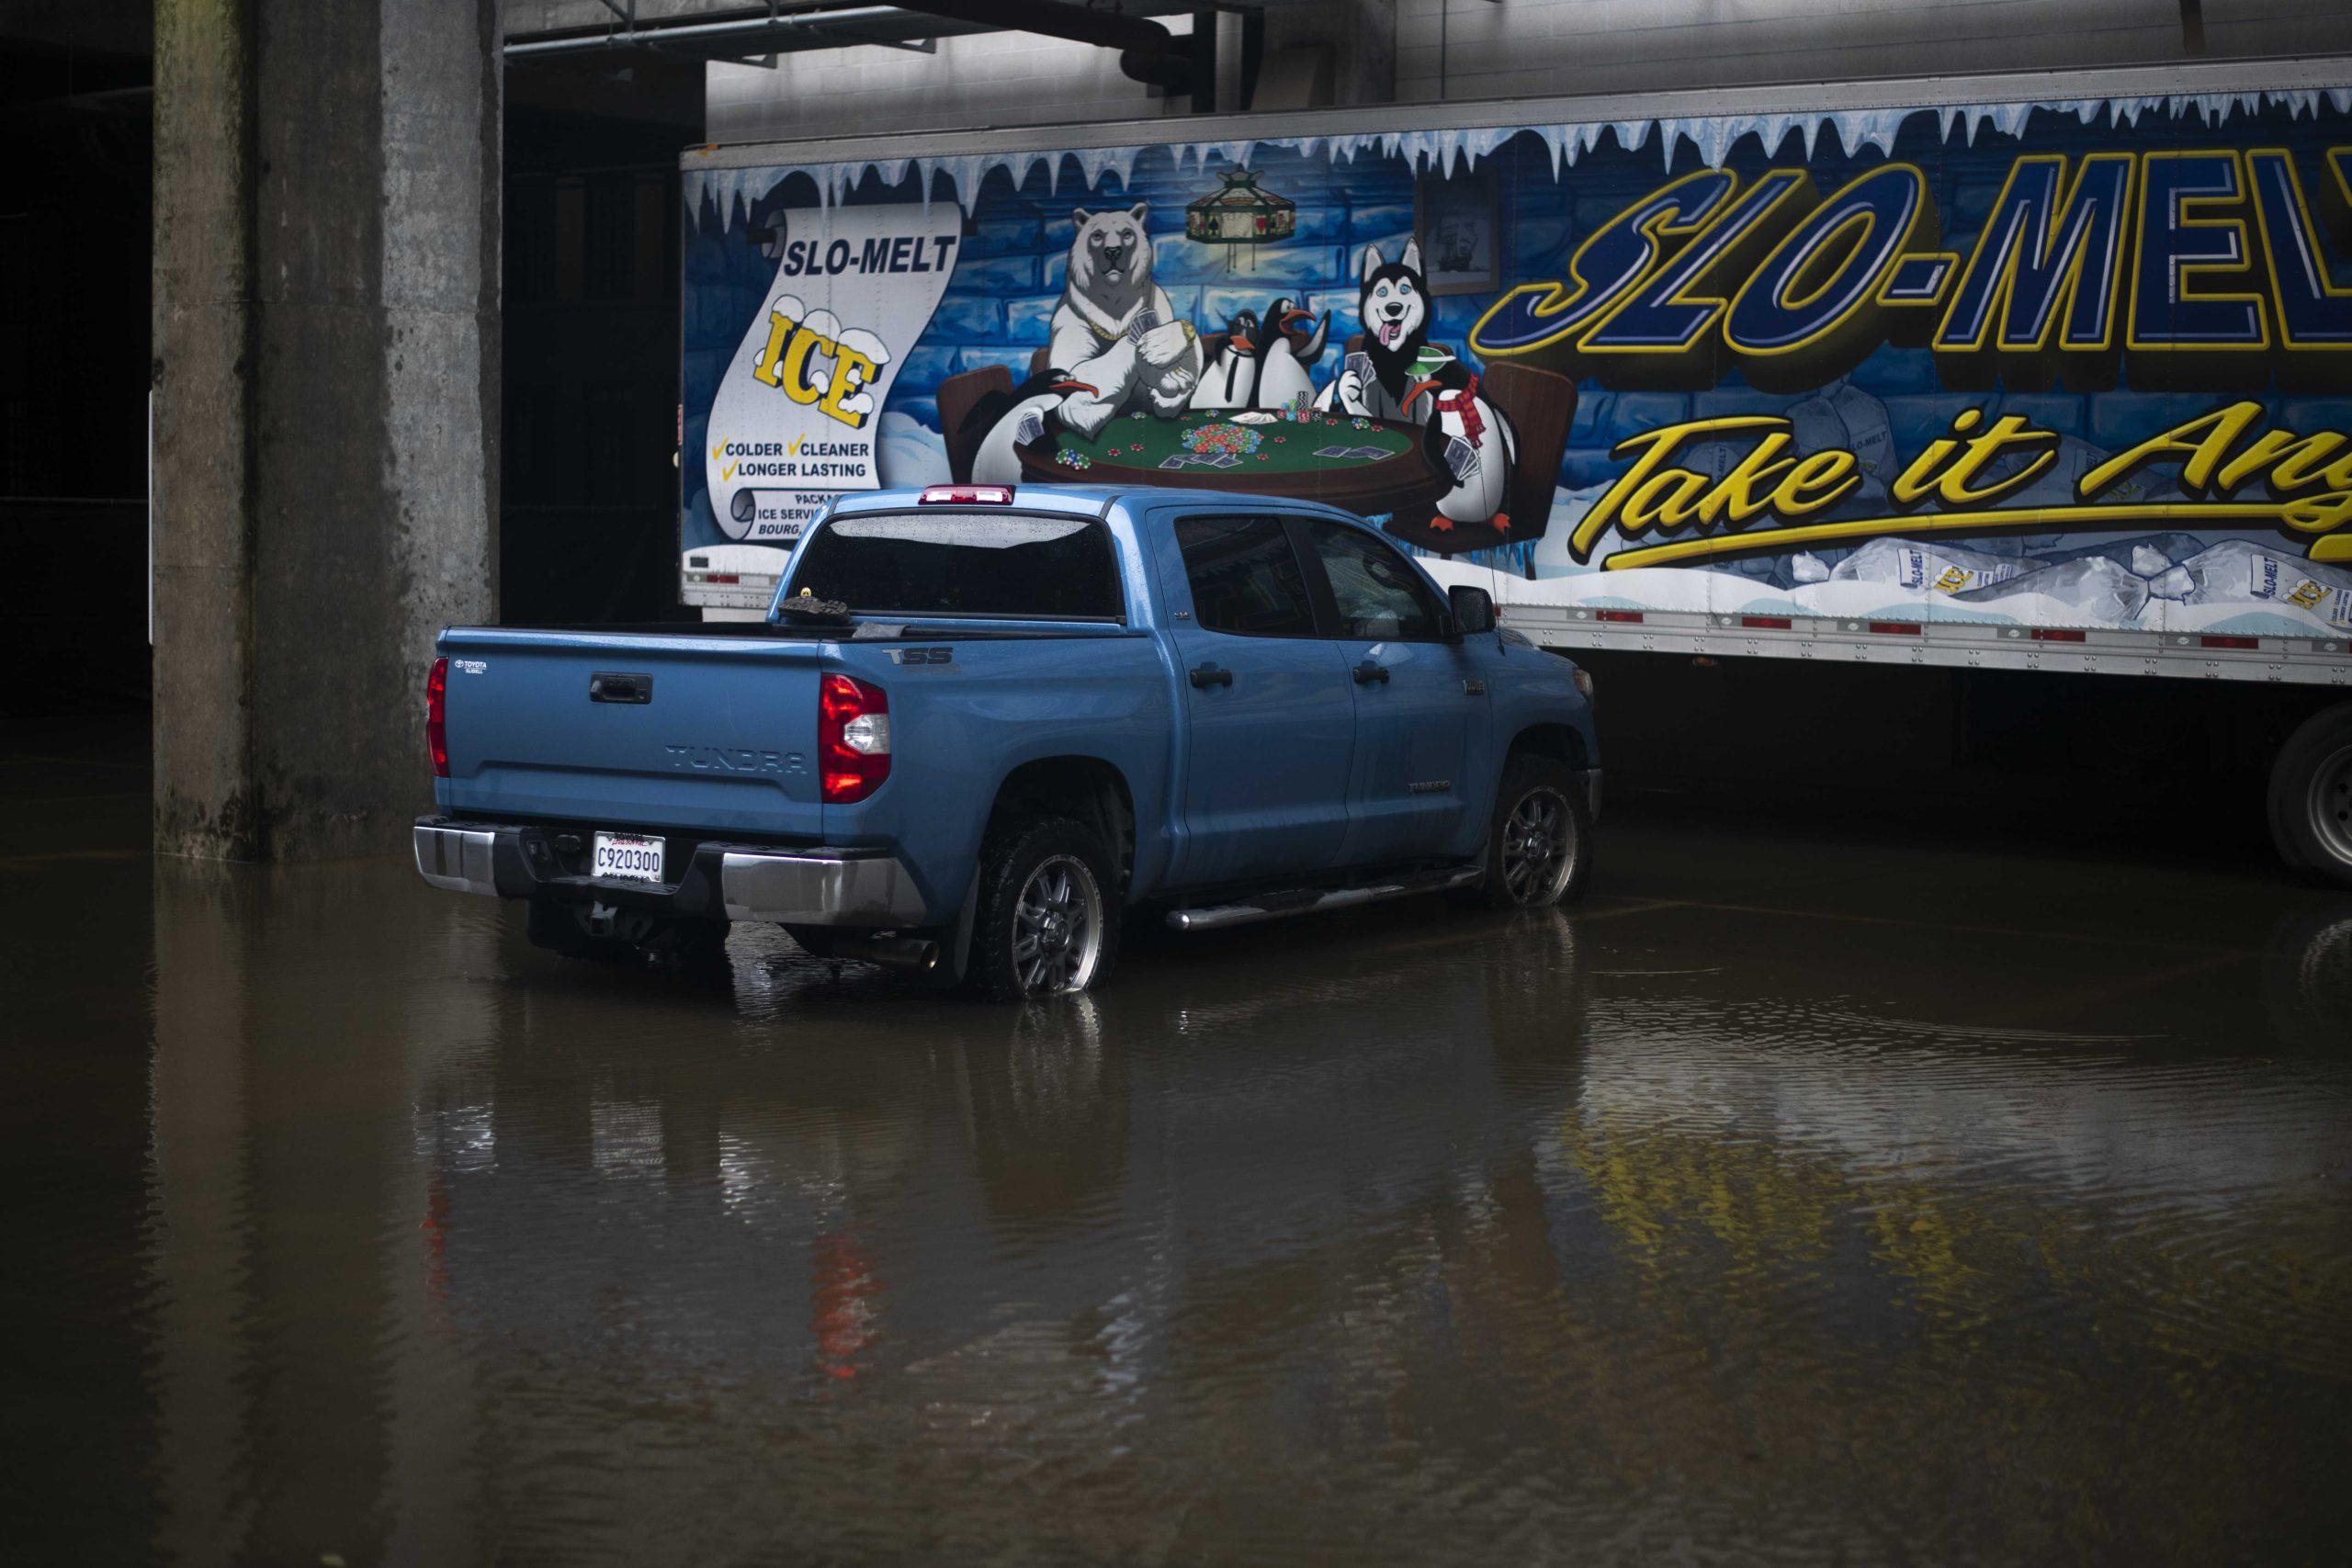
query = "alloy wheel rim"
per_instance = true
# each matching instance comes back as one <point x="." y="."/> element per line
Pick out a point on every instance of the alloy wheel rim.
<point x="1538" y="837"/>
<point x="2331" y="804"/>
<point x="1058" y="927"/>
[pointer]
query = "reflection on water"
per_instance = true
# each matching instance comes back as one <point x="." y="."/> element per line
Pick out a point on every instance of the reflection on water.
<point x="1655" y="1229"/>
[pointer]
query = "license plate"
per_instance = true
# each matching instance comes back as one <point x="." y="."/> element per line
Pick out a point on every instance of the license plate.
<point x="627" y="857"/>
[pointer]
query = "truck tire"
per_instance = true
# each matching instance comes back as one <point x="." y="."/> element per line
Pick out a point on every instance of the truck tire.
<point x="1047" y="918"/>
<point x="1538" y="846"/>
<point x="2311" y="797"/>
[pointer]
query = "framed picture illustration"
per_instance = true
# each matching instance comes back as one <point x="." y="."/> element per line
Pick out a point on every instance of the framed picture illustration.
<point x="1458" y="220"/>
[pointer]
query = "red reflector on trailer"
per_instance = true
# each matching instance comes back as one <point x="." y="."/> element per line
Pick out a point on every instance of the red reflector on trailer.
<point x="1895" y="629"/>
<point x="966" y="495"/>
<point x="722" y="576"/>
<point x="2229" y="642"/>
<point x="1766" y="622"/>
<point x="1630" y="617"/>
<point x="2056" y="634"/>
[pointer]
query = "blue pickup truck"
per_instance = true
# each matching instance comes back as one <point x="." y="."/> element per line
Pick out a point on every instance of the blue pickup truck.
<point x="979" y="725"/>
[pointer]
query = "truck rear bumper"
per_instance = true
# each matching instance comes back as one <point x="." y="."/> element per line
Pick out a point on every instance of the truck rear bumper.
<point x="816" y="887"/>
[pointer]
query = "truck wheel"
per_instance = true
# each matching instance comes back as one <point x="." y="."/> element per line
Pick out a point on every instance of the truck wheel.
<point x="1048" y="920"/>
<point x="1539" y="849"/>
<point x="2311" y="797"/>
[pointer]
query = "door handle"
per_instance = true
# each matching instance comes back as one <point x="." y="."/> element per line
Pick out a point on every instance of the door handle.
<point x="1368" y="672"/>
<point x="615" y="686"/>
<point x="1205" y="675"/>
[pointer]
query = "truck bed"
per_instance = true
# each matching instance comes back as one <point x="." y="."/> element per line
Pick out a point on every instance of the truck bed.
<point x="665" y="725"/>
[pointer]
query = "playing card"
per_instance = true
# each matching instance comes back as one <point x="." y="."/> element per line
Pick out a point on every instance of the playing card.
<point x="1367" y="454"/>
<point x="1146" y="321"/>
<point x="1335" y="451"/>
<point x="1030" y="428"/>
<point x="1461" y="458"/>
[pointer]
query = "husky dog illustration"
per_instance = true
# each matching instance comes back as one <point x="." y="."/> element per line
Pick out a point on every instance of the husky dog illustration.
<point x="1231" y="379"/>
<point x="1007" y="421"/>
<point x="1286" y="352"/>
<point x="1391" y="300"/>
<point x="1114" y="329"/>
<point x="1473" y="440"/>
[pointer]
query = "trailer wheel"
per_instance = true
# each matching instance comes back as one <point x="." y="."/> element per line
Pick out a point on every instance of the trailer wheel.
<point x="2311" y="797"/>
<point x="2307" y="978"/>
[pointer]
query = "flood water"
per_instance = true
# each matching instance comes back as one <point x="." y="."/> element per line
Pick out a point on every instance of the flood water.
<point x="1802" y="1196"/>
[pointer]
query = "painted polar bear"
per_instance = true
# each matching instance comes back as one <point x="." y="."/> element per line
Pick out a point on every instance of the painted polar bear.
<point x="1114" y="329"/>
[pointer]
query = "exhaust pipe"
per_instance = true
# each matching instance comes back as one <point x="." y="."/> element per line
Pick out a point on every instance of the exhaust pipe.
<point x="914" y="954"/>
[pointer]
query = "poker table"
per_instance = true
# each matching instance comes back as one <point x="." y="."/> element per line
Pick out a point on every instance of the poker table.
<point x="1367" y="466"/>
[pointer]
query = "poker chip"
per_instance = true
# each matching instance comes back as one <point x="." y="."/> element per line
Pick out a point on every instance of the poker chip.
<point x="1238" y="440"/>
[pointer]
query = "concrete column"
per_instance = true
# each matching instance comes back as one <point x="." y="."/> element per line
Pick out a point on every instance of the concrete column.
<point x="326" y="406"/>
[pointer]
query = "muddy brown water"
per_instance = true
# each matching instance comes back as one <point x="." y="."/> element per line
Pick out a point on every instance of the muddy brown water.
<point x="1800" y="1197"/>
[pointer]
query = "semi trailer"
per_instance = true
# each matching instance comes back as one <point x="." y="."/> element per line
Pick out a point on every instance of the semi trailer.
<point x="2048" y="373"/>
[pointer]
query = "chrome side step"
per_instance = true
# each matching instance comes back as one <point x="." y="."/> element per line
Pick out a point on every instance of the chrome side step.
<point x="1308" y="902"/>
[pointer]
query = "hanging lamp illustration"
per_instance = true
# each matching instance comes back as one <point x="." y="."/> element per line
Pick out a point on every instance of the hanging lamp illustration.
<point x="1240" y="214"/>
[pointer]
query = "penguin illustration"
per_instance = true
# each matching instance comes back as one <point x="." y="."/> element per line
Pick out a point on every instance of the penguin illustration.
<point x="1230" y="381"/>
<point x="1471" y="440"/>
<point x="1288" y="353"/>
<point x="1029" y="413"/>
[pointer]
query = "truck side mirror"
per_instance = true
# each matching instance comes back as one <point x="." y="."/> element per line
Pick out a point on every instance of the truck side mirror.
<point x="1473" y="608"/>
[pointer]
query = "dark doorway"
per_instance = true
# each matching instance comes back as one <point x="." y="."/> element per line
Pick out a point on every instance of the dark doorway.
<point x="588" y="526"/>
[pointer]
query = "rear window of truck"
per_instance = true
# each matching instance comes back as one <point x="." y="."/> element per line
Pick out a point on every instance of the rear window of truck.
<point x="963" y="563"/>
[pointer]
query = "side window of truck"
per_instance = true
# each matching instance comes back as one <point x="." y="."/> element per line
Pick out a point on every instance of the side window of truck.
<point x="1246" y="579"/>
<point x="1379" y="597"/>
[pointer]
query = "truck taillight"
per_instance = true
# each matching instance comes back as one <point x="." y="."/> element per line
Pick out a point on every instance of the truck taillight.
<point x="853" y="738"/>
<point x="437" y="718"/>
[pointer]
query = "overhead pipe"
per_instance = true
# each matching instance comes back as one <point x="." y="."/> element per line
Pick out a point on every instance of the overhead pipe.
<point x="729" y="36"/>
<point x="1149" y="53"/>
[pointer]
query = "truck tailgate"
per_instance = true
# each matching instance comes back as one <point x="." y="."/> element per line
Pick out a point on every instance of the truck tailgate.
<point x="654" y="729"/>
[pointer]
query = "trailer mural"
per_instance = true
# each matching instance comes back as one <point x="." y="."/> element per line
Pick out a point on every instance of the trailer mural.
<point x="2082" y="363"/>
